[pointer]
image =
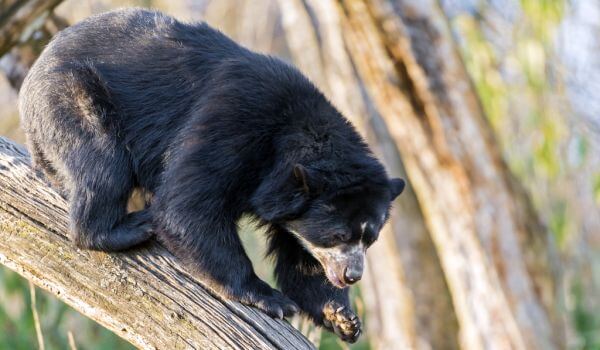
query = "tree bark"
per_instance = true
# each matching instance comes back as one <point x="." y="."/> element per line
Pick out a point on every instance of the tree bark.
<point x="495" y="254"/>
<point x="19" y="18"/>
<point x="143" y="295"/>
<point x="16" y="62"/>
<point x="406" y="297"/>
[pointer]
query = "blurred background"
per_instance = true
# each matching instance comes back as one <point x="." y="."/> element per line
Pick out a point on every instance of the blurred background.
<point x="533" y="65"/>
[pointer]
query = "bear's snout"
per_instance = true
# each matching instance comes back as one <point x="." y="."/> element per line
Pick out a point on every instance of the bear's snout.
<point x="352" y="275"/>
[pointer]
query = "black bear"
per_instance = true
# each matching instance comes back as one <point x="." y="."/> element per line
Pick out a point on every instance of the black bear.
<point x="212" y="131"/>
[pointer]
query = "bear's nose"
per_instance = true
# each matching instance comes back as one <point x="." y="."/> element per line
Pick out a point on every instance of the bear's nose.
<point x="352" y="276"/>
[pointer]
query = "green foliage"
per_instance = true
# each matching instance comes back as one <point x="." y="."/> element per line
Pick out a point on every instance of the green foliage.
<point x="543" y="16"/>
<point x="585" y="322"/>
<point x="330" y="341"/>
<point x="559" y="222"/>
<point x="482" y="65"/>
<point x="596" y="186"/>
<point x="521" y="94"/>
<point x="519" y="99"/>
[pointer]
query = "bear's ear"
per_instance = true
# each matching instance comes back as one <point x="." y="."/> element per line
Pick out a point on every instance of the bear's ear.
<point x="282" y="194"/>
<point x="396" y="187"/>
<point x="301" y="177"/>
<point x="309" y="180"/>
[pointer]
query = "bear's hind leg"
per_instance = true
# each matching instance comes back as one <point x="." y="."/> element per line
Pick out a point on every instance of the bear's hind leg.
<point x="44" y="168"/>
<point x="100" y="188"/>
<point x="76" y="142"/>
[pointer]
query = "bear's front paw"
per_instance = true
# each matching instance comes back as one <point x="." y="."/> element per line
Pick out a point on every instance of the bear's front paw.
<point x="342" y="321"/>
<point x="269" y="300"/>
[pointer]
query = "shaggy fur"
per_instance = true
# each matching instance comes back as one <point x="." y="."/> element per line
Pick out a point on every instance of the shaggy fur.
<point x="135" y="99"/>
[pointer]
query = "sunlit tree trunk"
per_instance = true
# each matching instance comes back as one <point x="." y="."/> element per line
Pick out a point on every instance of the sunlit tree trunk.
<point x="16" y="62"/>
<point x="406" y="298"/>
<point x="17" y="16"/>
<point x="495" y="255"/>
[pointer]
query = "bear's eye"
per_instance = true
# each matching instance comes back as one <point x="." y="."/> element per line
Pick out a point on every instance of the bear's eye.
<point x="368" y="234"/>
<point x="369" y="240"/>
<point x="342" y="236"/>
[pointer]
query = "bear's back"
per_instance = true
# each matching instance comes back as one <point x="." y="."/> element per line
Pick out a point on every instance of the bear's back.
<point x="127" y="35"/>
<point x="152" y="65"/>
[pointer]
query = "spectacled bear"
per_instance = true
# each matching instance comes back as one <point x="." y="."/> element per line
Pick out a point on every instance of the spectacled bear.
<point x="212" y="131"/>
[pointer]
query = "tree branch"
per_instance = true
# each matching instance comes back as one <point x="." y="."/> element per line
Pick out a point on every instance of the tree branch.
<point x="16" y="63"/>
<point x="143" y="295"/>
<point x="19" y="18"/>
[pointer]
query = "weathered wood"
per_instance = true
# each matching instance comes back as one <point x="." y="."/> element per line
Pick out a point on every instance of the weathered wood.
<point x="143" y="295"/>
<point x="19" y="18"/>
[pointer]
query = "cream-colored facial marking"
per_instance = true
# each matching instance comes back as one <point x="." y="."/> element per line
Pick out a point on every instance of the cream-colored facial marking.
<point x="337" y="258"/>
<point x="363" y="226"/>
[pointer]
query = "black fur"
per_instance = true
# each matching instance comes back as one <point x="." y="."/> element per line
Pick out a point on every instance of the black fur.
<point x="213" y="131"/>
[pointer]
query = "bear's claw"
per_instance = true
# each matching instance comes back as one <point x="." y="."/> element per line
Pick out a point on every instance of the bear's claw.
<point x="269" y="300"/>
<point x="276" y="306"/>
<point x="342" y="321"/>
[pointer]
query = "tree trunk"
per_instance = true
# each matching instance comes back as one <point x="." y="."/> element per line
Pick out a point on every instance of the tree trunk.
<point x="19" y="18"/>
<point x="407" y="301"/>
<point x="495" y="254"/>
<point x="16" y="62"/>
<point x="143" y="295"/>
<point x="30" y="23"/>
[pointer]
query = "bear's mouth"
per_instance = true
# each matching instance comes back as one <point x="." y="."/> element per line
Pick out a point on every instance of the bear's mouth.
<point x="338" y="260"/>
<point x="343" y="265"/>
<point x="333" y="277"/>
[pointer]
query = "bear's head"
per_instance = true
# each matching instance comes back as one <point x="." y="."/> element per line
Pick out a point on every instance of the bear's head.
<point x="335" y="215"/>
